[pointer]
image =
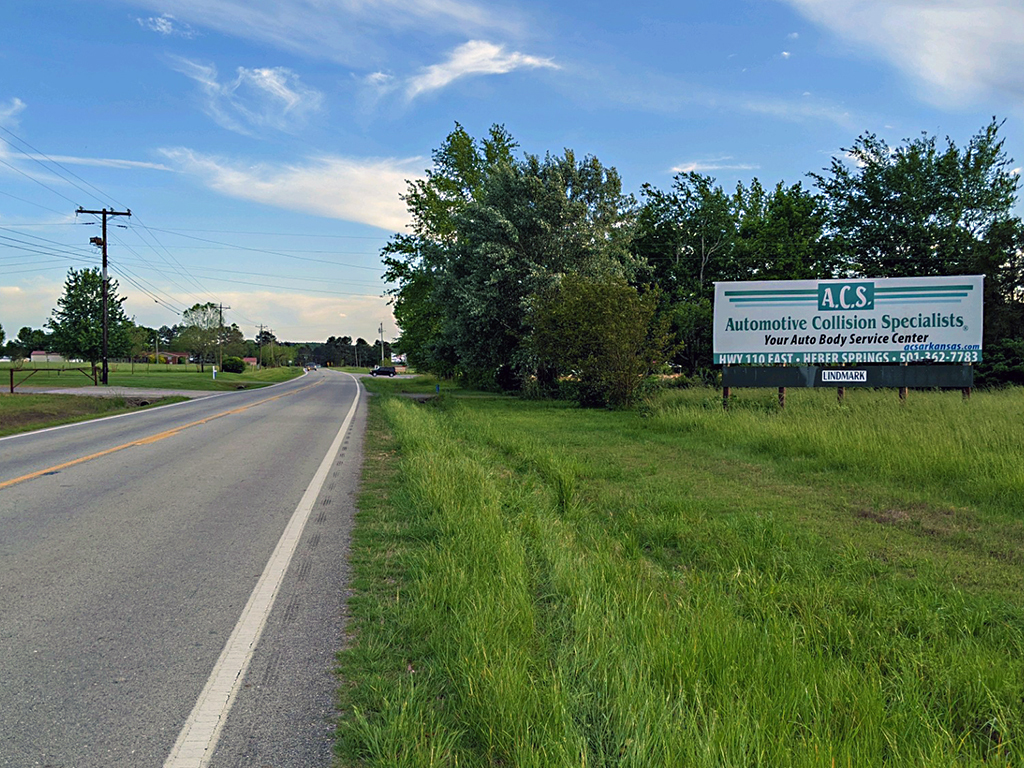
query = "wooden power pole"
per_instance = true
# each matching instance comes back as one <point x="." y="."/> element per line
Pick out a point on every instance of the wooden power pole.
<point x="103" y="243"/>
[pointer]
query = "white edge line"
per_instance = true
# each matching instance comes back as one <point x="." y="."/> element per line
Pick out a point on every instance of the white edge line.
<point x="146" y="410"/>
<point x="198" y="738"/>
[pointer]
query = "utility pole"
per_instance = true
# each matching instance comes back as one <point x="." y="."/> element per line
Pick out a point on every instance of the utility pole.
<point x="220" y="335"/>
<point x="259" y="348"/>
<point x="382" y="343"/>
<point x="103" y="243"/>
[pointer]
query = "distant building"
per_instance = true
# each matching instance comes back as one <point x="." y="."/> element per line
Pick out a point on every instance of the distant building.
<point x="40" y="356"/>
<point x="249" y="361"/>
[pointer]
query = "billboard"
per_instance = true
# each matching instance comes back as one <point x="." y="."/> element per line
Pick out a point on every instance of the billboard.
<point x="890" y="320"/>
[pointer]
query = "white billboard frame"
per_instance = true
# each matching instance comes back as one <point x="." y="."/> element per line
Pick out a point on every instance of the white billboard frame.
<point x="857" y="320"/>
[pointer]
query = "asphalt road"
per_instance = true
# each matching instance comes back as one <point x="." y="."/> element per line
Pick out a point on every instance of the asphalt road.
<point x="124" y="575"/>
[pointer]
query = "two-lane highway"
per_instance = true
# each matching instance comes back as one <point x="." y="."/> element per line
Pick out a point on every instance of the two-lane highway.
<point x="135" y="550"/>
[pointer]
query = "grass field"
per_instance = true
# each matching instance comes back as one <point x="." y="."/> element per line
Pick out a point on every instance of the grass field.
<point x="26" y="410"/>
<point x="537" y="585"/>
<point x="150" y="376"/>
<point x="22" y="413"/>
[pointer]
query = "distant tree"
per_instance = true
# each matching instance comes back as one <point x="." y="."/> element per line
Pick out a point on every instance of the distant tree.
<point x="77" y="320"/>
<point x="201" y="331"/>
<point x="27" y="340"/>
<point x="266" y="343"/>
<point x="139" y="338"/>
<point x="232" y="341"/>
<point x="602" y="332"/>
<point x="2" y="335"/>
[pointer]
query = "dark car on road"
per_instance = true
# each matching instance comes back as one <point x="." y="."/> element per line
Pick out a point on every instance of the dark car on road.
<point x="383" y="370"/>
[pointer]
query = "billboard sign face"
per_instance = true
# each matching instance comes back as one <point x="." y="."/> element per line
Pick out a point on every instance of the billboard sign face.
<point x="891" y="320"/>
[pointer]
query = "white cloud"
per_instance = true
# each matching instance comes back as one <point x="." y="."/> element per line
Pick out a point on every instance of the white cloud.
<point x="344" y="31"/>
<point x="266" y="97"/>
<point x="958" y="51"/>
<point x="9" y="112"/>
<point x="167" y="25"/>
<point x="717" y="164"/>
<point x="379" y="80"/>
<point x="793" y="36"/>
<point x="786" y="54"/>
<point x="477" y="57"/>
<point x="359" y="190"/>
<point x="102" y="162"/>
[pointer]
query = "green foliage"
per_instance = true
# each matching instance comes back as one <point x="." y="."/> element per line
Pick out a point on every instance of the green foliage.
<point x="27" y="340"/>
<point x="919" y="209"/>
<point x="233" y="365"/>
<point x="415" y="261"/>
<point x="603" y="333"/>
<point x="2" y="334"/>
<point x="200" y="330"/>
<point x="924" y="209"/>
<point x="77" y="321"/>
<point x="492" y="233"/>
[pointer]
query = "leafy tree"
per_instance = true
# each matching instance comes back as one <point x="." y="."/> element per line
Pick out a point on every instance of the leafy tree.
<point x="688" y="236"/>
<point x="604" y="332"/>
<point x="27" y="340"/>
<point x="781" y="235"/>
<point x="2" y="335"/>
<point x="202" y="323"/>
<point x="232" y="341"/>
<point x="414" y="261"/>
<point x="925" y="208"/>
<point x="919" y="209"/>
<point x="139" y="338"/>
<point x="77" y="320"/>
<point x="532" y="221"/>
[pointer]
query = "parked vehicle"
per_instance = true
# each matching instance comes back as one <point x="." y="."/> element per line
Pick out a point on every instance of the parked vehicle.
<point x="383" y="370"/>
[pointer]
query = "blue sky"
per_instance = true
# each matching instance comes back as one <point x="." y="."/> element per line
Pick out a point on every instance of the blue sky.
<point x="262" y="144"/>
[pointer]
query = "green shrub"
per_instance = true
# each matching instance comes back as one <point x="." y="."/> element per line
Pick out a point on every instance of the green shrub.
<point x="233" y="365"/>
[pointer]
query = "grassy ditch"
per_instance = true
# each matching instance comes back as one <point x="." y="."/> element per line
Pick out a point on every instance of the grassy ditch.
<point x="538" y="585"/>
<point x="23" y="413"/>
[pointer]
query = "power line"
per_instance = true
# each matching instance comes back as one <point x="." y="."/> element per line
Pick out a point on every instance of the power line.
<point x="51" y="160"/>
<point x="274" y="234"/>
<point x="279" y="253"/>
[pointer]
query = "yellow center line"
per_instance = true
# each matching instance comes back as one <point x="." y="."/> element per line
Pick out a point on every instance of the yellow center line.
<point x="151" y="438"/>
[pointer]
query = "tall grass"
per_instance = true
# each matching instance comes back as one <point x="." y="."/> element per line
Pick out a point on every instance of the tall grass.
<point x="600" y="589"/>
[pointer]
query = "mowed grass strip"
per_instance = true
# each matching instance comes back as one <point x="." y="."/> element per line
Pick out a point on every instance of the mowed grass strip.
<point x="22" y="413"/>
<point x="541" y="585"/>
<point x="56" y="375"/>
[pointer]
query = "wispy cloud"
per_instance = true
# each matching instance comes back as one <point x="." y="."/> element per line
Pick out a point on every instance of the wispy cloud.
<point x="476" y="57"/>
<point x="9" y="112"/>
<point x="360" y="190"/>
<point x="663" y="95"/>
<point x="268" y="97"/>
<point x="344" y="31"/>
<point x="102" y="162"/>
<point x="717" y="164"/>
<point x="958" y="51"/>
<point x="167" y="26"/>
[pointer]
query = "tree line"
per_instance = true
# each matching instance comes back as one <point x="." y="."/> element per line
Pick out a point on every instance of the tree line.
<point x="539" y="275"/>
<point x="75" y="331"/>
